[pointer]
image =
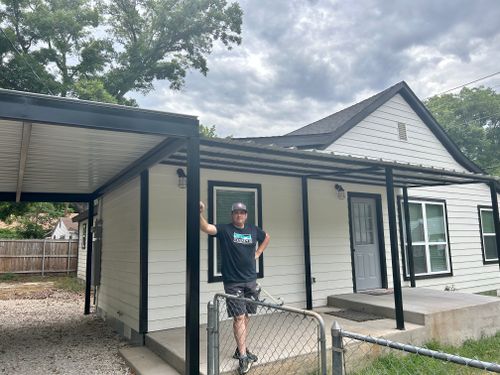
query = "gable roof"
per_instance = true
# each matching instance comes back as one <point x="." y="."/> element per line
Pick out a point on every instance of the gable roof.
<point x="322" y="133"/>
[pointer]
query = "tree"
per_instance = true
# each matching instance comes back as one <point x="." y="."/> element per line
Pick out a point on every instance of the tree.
<point x="472" y="120"/>
<point x="32" y="220"/>
<point x="51" y="46"/>
<point x="207" y="131"/>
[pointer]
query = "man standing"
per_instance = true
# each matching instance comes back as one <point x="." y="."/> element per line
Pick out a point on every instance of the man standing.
<point x="238" y="241"/>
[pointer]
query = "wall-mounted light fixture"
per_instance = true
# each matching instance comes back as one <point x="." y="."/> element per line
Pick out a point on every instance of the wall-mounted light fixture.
<point x="340" y="191"/>
<point x="182" y="183"/>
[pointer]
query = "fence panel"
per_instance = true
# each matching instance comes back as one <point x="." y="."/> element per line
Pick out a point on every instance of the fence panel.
<point x="285" y="340"/>
<point x="365" y="355"/>
<point x="38" y="256"/>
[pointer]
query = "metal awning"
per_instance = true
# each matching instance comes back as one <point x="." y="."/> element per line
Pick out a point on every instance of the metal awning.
<point x="244" y="156"/>
<point x="56" y="147"/>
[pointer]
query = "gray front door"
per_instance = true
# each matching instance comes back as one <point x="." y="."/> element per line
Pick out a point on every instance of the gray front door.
<point x="365" y="244"/>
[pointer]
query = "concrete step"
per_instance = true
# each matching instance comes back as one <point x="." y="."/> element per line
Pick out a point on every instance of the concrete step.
<point x="145" y="362"/>
<point x="347" y="301"/>
<point x="169" y="355"/>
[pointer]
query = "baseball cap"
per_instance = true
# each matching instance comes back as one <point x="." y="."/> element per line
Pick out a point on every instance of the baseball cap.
<point x="238" y="206"/>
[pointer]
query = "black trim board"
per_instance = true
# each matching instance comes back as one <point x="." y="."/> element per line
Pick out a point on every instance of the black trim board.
<point x="144" y="252"/>
<point x="380" y="235"/>
<point x="479" y="208"/>
<point x="307" y="243"/>
<point x="402" y="240"/>
<point x="211" y="211"/>
<point x="46" y="197"/>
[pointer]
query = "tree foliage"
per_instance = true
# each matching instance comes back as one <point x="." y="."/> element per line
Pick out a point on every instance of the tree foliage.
<point x="32" y="220"/>
<point x="207" y="131"/>
<point x="472" y="120"/>
<point x="102" y="51"/>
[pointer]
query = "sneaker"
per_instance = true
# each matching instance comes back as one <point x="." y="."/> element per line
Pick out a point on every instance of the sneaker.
<point x="245" y="365"/>
<point x="250" y="355"/>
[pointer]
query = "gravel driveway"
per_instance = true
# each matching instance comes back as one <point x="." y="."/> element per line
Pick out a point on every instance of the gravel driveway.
<point x="44" y="331"/>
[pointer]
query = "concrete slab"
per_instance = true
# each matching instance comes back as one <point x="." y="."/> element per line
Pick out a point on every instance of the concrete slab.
<point x="145" y="362"/>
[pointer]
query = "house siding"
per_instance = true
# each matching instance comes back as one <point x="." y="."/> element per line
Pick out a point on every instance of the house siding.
<point x="118" y="293"/>
<point x="377" y="136"/>
<point x="283" y="260"/>
<point x="469" y="272"/>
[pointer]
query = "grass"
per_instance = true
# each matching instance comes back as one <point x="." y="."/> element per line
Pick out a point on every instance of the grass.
<point x="486" y="349"/>
<point x="67" y="283"/>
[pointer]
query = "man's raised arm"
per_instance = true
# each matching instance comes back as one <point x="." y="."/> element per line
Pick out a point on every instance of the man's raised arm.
<point x="204" y="225"/>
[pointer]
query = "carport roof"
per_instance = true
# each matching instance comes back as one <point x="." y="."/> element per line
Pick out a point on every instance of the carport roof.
<point x="68" y="149"/>
<point x="250" y="157"/>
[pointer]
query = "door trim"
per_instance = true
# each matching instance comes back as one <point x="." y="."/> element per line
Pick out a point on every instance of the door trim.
<point x="380" y="231"/>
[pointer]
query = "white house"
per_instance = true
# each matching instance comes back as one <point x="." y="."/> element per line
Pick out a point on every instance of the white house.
<point x="64" y="229"/>
<point x="294" y="186"/>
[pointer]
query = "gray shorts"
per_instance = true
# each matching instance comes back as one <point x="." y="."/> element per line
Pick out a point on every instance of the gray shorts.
<point x="247" y="290"/>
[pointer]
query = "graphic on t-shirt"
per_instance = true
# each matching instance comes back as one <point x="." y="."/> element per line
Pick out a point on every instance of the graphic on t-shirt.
<point x="245" y="239"/>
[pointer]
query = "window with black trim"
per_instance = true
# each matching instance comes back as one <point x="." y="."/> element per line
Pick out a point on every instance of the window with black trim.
<point x="488" y="236"/>
<point x="221" y="196"/>
<point x="429" y="234"/>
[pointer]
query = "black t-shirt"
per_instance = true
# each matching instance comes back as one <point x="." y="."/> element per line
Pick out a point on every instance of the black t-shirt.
<point x="237" y="247"/>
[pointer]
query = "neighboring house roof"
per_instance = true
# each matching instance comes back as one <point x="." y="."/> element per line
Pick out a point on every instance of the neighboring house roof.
<point x="70" y="226"/>
<point x="322" y="133"/>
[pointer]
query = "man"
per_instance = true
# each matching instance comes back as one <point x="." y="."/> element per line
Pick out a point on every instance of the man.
<point x="238" y="242"/>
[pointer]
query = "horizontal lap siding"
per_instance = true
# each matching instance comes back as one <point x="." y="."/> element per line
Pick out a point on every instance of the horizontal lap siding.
<point x="119" y="290"/>
<point x="283" y="260"/>
<point x="469" y="272"/>
<point x="377" y="136"/>
<point x="330" y="242"/>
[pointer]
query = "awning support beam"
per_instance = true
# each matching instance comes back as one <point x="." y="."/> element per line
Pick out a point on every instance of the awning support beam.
<point x="396" y="276"/>
<point x="307" y="243"/>
<point x="192" y="333"/>
<point x="23" y="157"/>
<point x="88" y="268"/>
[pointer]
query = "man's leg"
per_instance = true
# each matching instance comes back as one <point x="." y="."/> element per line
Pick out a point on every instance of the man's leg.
<point x="240" y="332"/>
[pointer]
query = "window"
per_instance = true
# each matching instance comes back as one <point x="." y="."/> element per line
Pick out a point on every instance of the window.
<point x="84" y="236"/>
<point x="221" y="196"/>
<point x="488" y="238"/>
<point x="429" y="238"/>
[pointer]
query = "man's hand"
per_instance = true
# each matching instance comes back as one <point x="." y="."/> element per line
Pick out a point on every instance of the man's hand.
<point x="202" y="207"/>
<point x="204" y="226"/>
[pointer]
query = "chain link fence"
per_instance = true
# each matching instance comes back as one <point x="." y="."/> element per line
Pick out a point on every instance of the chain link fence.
<point x="355" y="354"/>
<point x="285" y="340"/>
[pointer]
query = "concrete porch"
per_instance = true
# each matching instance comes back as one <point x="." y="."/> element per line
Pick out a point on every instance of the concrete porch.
<point x="449" y="317"/>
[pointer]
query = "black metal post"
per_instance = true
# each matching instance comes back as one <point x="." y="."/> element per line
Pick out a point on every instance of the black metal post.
<point x="88" y="270"/>
<point x="396" y="275"/>
<point x="496" y="216"/>
<point x="192" y="366"/>
<point x="144" y="250"/>
<point x="409" y="243"/>
<point x="307" y="244"/>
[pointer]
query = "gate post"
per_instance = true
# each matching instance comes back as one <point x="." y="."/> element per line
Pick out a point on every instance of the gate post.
<point x="337" y="350"/>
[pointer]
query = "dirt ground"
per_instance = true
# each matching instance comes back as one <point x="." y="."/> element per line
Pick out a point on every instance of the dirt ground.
<point x="43" y="331"/>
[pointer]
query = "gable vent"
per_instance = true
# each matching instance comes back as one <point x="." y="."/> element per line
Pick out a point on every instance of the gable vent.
<point x="402" y="131"/>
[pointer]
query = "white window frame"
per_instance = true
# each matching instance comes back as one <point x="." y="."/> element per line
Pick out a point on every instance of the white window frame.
<point x="426" y="242"/>
<point x="481" y="209"/>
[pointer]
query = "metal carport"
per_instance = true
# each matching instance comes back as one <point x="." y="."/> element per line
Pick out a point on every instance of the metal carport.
<point x="66" y="150"/>
<point x="247" y="156"/>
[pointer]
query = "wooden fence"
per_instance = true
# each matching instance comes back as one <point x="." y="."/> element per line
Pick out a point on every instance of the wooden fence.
<point x="38" y="256"/>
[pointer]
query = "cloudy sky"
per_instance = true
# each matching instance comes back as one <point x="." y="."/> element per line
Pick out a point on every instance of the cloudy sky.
<point x="301" y="60"/>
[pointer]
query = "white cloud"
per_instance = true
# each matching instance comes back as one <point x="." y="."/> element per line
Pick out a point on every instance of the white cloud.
<point x="303" y="60"/>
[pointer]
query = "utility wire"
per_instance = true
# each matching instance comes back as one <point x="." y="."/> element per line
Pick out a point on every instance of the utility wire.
<point x="25" y="61"/>
<point x="466" y="84"/>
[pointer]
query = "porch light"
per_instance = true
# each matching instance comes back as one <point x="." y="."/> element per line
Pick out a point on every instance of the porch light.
<point x="182" y="183"/>
<point x="340" y="191"/>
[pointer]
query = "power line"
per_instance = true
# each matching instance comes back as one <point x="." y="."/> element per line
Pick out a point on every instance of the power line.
<point x="468" y="83"/>
<point x="25" y="61"/>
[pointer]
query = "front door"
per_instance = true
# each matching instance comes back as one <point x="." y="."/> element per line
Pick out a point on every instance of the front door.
<point x="365" y="243"/>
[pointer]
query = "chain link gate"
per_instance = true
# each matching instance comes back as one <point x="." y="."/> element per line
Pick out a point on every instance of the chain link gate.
<point x="286" y="340"/>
